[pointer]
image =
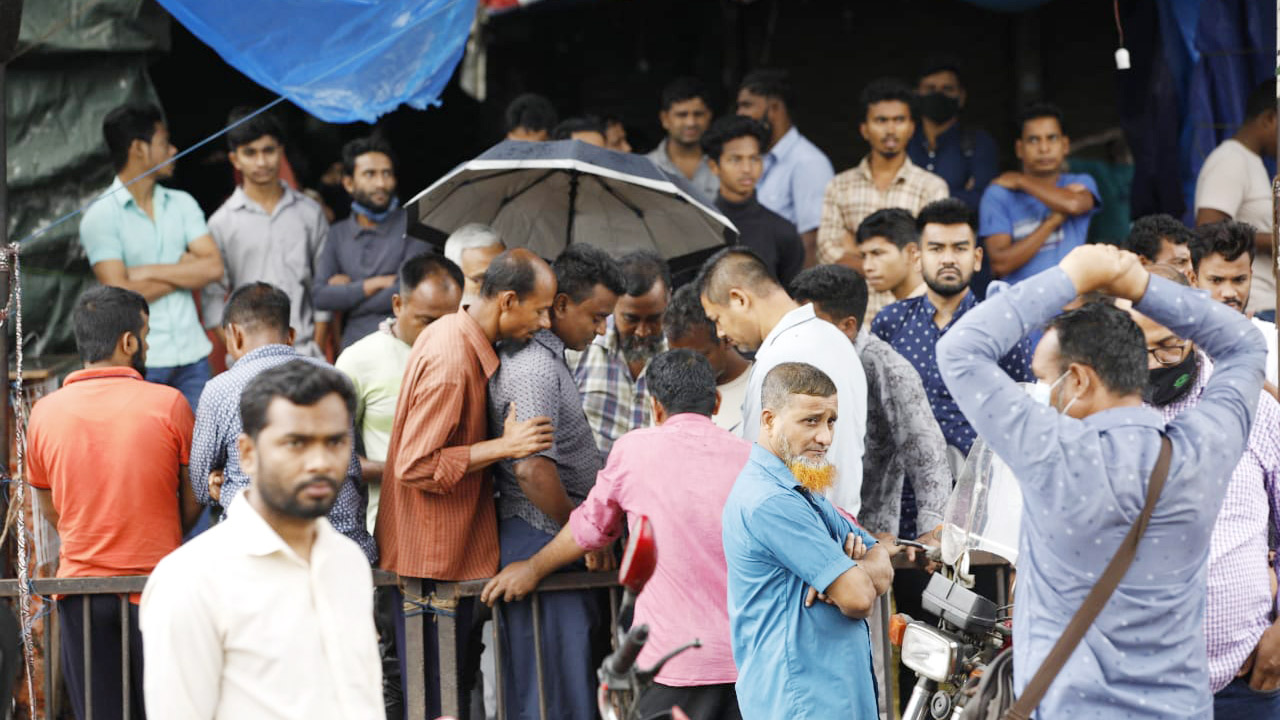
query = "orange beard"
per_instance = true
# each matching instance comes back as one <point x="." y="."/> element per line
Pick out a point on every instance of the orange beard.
<point x="812" y="476"/>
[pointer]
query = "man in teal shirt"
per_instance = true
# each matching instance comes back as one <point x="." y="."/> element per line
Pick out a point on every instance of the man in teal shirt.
<point x="153" y="240"/>
<point x="787" y="547"/>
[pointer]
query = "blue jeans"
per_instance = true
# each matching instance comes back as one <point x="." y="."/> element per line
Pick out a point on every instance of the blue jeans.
<point x="1238" y="701"/>
<point x="186" y="379"/>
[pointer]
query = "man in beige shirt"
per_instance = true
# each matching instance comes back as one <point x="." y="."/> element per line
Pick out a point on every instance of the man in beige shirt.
<point x="885" y="178"/>
<point x="270" y="614"/>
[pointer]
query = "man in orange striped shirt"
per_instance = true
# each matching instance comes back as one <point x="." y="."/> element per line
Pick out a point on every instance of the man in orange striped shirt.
<point x="436" y="520"/>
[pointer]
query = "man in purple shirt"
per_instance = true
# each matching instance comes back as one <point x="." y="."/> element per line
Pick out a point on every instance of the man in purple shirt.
<point x="1243" y="642"/>
<point x="687" y="596"/>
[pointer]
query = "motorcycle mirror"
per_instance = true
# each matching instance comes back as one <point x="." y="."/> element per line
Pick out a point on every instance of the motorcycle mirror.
<point x="640" y="557"/>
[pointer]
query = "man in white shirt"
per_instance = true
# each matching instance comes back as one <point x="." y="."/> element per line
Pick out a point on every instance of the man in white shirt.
<point x="686" y="326"/>
<point x="751" y="310"/>
<point x="270" y="613"/>
<point x="1234" y="185"/>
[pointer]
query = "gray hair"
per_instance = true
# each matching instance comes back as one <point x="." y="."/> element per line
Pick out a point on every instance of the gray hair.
<point x="794" y="378"/>
<point x="469" y="237"/>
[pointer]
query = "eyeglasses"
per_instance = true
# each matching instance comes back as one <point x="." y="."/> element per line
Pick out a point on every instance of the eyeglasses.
<point x="1168" y="355"/>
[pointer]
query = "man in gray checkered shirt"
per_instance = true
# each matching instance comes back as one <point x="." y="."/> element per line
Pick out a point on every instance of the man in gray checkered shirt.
<point x="537" y="493"/>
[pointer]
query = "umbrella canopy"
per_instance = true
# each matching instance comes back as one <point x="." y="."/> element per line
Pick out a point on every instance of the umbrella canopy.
<point x="544" y="196"/>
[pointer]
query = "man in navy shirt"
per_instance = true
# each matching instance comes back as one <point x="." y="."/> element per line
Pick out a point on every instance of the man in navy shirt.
<point x="1032" y="219"/>
<point x="948" y="258"/>
<point x="963" y="155"/>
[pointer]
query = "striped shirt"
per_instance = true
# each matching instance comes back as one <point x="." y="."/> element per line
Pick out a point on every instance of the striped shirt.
<point x="435" y="519"/>
<point x="852" y="195"/>
<point x="615" y="402"/>
<point x="1239" y="604"/>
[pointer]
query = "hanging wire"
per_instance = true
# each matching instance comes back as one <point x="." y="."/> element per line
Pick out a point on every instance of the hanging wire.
<point x="1119" y="27"/>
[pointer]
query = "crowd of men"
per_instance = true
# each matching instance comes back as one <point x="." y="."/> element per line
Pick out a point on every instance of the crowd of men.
<point x="782" y="420"/>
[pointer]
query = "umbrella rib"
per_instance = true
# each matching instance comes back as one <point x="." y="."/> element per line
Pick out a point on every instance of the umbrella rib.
<point x="625" y="203"/>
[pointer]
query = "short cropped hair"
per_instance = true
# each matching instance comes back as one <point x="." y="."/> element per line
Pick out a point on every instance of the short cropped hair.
<point x="581" y="267"/>
<point x="125" y="124"/>
<point x="258" y="306"/>
<point x="794" y="378"/>
<point x="685" y="315"/>
<point x="470" y="237"/>
<point x="1227" y="238"/>
<point x="1148" y="232"/>
<point x="1170" y="273"/>
<point x="102" y="315"/>
<point x="771" y="83"/>
<point x="1037" y="110"/>
<point x="683" y="381"/>
<point x="298" y="381"/>
<point x="730" y="128"/>
<point x="569" y="126"/>
<point x="363" y="146"/>
<point x="943" y="62"/>
<point x="837" y="290"/>
<point x="1262" y="99"/>
<point x="419" y="268"/>
<point x="530" y="111"/>
<point x="250" y="130"/>
<point x="735" y="267"/>
<point x="1106" y="339"/>
<point x="893" y="224"/>
<point x="641" y="270"/>
<point x="886" y="90"/>
<point x="947" y="211"/>
<point x="685" y="88"/>
<point x="509" y="272"/>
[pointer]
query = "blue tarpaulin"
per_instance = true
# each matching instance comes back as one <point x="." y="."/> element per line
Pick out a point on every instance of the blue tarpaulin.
<point x="340" y="60"/>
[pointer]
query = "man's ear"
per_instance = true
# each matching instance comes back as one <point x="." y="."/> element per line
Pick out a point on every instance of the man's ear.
<point x="715" y="166"/>
<point x="560" y="304"/>
<point x="766" y="420"/>
<point x="348" y="184"/>
<point x="719" y="399"/>
<point x="977" y="258"/>
<point x="740" y="298"/>
<point x="396" y="304"/>
<point x="293" y="335"/>
<point x="849" y="326"/>
<point x="248" y="454"/>
<point x="507" y="300"/>
<point x="128" y="344"/>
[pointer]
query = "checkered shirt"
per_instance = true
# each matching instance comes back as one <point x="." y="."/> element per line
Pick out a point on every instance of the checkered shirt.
<point x="852" y="195"/>
<point x="614" y="402"/>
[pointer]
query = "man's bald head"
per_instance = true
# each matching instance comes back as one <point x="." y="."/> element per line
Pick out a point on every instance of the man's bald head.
<point x="735" y="269"/>
<point x="516" y="270"/>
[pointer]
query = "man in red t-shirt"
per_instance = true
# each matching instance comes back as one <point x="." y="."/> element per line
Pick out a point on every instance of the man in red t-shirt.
<point x="107" y="455"/>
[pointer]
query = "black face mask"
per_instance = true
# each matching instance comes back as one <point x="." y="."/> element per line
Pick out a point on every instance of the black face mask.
<point x="1168" y="385"/>
<point x="939" y="107"/>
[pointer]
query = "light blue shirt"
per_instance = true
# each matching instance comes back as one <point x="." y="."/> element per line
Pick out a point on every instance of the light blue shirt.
<point x="1084" y="483"/>
<point x="115" y="228"/>
<point x="795" y="176"/>
<point x="793" y="661"/>
<point x="1018" y="214"/>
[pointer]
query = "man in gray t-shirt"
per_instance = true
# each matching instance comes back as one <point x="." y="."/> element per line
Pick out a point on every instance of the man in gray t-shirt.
<point x="537" y="493"/>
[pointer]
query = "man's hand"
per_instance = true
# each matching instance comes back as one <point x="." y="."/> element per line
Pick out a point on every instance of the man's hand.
<point x="1106" y="268"/>
<point x="514" y="582"/>
<point x="378" y="283"/>
<point x="215" y="486"/>
<point x="1266" y="662"/>
<point x="855" y="548"/>
<point x="601" y="560"/>
<point x="1011" y="180"/>
<point x="523" y="439"/>
<point x="340" y="279"/>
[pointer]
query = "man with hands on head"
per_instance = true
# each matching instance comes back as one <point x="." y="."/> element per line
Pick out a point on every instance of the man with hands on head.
<point x="786" y="546"/>
<point x="1083" y="464"/>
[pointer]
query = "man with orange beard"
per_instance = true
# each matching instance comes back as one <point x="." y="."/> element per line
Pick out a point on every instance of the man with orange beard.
<point x="787" y="546"/>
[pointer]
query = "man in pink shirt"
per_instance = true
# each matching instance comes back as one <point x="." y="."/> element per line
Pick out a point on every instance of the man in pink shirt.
<point x="679" y="475"/>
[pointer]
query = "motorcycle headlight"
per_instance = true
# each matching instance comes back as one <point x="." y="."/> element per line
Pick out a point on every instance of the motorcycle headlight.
<point x="929" y="651"/>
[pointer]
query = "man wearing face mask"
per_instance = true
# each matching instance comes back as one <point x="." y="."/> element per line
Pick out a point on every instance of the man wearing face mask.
<point x="1242" y="641"/>
<point x="963" y="155"/>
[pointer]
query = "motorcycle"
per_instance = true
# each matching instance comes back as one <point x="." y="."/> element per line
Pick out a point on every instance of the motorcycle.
<point x="951" y="657"/>
<point x="621" y="681"/>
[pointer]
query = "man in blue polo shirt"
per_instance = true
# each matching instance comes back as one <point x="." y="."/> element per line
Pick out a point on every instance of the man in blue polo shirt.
<point x="788" y="548"/>
<point x="1030" y="220"/>
<point x="154" y="241"/>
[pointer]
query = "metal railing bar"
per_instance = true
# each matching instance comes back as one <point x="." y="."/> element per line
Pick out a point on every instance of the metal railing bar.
<point x="498" y="679"/>
<point x="88" y="659"/>
<point x="536" y="608"/>
<point x="124" y="655"/>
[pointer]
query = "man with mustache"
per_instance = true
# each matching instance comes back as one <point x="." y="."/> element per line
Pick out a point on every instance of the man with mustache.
<point x="685" y="116"/>
<point x="270" y="614"/>
<point x="256" y="325"/>
<point x="787" y="546"/>
<point x="356" y="274"/>
<point x="949" y="256"/>
<point x="1222" y="256"/>
<point x="611" y="372"/>
<point x="752" y="311"/>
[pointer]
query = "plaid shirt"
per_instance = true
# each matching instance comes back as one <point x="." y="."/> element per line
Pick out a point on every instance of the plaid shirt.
<point x="614" y="402"/>
<point x="1240" y="605"/>
<point x="852" y="195"/>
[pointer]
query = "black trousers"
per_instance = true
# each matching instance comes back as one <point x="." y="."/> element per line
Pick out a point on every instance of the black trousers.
<point x="700" y="702"/>
<point x="105" y="625"/>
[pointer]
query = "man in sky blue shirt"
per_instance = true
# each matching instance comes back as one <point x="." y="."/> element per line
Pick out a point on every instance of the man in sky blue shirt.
<point x="1083" y="465"/>
<point x="154" y="241"/>
<point x="787" y="548"/>
<point x="1030" y="220"/>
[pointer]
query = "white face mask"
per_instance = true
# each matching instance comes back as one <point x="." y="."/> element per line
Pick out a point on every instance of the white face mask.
<point x="1038" y="391"/>
<point x="1066" y="409"/>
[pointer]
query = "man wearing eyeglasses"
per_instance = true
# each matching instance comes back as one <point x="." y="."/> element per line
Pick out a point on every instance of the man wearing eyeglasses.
<point x="1243" y="643"/>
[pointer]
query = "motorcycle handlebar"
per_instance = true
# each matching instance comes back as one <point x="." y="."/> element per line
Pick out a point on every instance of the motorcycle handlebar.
<point x="623" y="659"/>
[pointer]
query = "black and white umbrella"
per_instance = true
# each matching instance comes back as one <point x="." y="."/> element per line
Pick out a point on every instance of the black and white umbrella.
<point x="544" y="196"/>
